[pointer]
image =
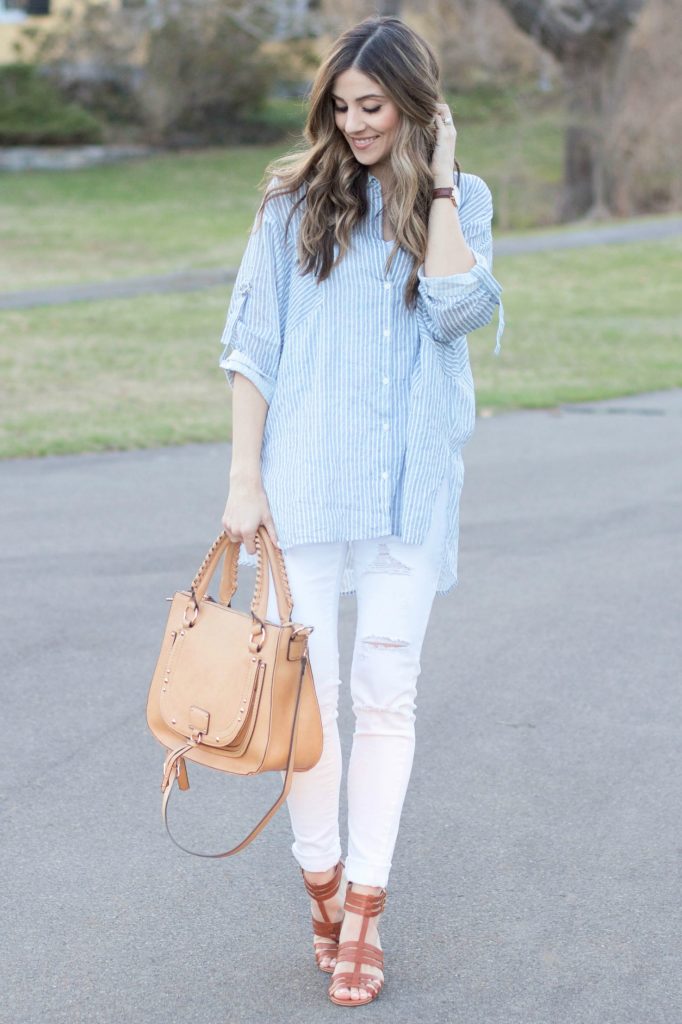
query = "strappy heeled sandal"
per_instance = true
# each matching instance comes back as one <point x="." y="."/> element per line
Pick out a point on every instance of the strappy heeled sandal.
<point x="359" y="952"/>
<point x="326" y="930"/>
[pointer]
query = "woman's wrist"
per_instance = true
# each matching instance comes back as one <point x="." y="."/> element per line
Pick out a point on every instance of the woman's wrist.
<point x="443" y="178"/>
<point x="246" y="476"/>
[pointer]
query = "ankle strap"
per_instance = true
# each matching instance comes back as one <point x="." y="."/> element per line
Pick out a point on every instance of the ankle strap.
<point x="368" y="904"/>
<point x="324" y="890"/>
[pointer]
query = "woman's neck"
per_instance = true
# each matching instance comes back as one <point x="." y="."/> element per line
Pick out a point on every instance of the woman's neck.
<point x="384" y="176"/>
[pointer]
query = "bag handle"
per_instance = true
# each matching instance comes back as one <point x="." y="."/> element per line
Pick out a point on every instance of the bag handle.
<point x="174" y="768"/>
<point x="265" y="549"/>
<point x="279" y="575"/>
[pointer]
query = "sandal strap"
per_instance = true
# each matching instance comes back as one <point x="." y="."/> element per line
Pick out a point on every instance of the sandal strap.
<point x="348" y="979"/>
<point x="327" y="929"/>
<point x="367" y="904"/>
<point x="324" y="890"/>
<point x="360" y="953"/>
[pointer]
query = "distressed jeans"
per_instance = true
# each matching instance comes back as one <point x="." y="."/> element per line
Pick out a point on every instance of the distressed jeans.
<point x="395" y="587"/>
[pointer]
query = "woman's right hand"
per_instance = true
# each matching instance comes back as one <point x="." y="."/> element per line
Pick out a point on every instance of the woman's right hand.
<point x="247" y="507"/>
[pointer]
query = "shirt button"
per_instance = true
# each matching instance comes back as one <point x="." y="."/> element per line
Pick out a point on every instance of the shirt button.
<point x="385" y="380"/>
<point x="386" y="332"/>
<point x="384" y="475"/>
<point x="385" y="426"/>
<point x="387" y="285"/>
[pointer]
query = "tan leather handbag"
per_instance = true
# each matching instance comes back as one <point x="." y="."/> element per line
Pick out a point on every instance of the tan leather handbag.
<point x="231" y="689"/>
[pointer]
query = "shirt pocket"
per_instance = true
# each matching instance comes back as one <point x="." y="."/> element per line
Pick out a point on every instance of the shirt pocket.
<point x="454" y="384"/>
<point x="305" y="299"/>
<point x="461" y="406"/>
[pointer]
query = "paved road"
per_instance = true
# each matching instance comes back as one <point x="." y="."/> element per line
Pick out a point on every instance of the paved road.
<point x="636" y="230"/>
<point x="537" y="874"/>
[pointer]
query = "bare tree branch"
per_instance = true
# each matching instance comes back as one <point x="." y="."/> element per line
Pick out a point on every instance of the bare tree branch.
<point x="562" y="25"/>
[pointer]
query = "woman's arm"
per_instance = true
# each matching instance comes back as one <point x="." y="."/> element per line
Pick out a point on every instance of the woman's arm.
<point x="249" y="410"/>
<point x="247" y="503"/>
<point x="457" y="291"/>
<point x="251" y="354"/>
<point x="447" y="251"/>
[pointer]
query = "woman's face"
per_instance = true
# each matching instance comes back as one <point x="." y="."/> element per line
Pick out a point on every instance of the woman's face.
<point x="366" y="116"/>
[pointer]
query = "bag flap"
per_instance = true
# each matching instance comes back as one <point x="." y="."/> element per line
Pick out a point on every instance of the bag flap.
<point x="211" y="677"/>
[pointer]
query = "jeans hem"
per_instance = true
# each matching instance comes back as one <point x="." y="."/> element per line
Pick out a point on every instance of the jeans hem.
<point x="317" y="862"/>
<point x="364" y="873"/>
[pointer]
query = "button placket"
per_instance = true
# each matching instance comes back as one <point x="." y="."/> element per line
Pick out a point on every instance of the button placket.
<point x="388" y="286"/>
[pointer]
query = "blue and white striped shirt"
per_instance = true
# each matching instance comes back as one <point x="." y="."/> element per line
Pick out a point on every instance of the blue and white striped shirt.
<point x="369" y="401"/>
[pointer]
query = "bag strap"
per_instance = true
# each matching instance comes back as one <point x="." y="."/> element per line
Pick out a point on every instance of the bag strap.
<point x="174" y="768"/>
<point x="266" y="553"/>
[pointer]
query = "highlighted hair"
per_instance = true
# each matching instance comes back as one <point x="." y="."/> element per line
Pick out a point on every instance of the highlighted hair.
<point x="334" y="183"/>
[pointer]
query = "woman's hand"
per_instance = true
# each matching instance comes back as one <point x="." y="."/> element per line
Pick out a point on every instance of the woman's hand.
<point x="247" y="507"/>
<point x="443" y="160"/>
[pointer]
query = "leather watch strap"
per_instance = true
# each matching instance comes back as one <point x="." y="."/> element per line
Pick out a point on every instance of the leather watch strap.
<point x="447" y="192"/>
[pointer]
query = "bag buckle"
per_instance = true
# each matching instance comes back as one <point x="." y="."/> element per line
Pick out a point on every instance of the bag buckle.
<point x="190" y="622"/>
<point x="299" y="636"/>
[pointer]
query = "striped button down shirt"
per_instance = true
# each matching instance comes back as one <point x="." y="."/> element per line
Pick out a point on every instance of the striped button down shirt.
<point x="369" y="401"/>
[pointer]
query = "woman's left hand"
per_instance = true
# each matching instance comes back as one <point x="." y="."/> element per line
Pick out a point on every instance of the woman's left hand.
<point x="443" y="160"/>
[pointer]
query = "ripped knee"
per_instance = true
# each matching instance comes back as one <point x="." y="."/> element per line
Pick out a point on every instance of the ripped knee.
<point x="384" y="642"/>
<point x="384" y="561"/>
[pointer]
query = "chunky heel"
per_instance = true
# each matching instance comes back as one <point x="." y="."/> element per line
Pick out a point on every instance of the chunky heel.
<point x="326" y="931"/>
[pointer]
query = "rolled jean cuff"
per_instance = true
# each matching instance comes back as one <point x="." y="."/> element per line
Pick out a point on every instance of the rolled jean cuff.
<point x="317" y="862"/>
<point x="364" y="873"/>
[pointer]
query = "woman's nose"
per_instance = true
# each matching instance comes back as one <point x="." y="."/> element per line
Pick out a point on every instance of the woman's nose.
<point x="354" y="121"/>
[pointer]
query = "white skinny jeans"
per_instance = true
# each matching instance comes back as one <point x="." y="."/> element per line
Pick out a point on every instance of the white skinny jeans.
<point x="395" y="588"/>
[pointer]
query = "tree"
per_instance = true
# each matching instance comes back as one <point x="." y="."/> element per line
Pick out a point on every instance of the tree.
<point x="588" y="39"/>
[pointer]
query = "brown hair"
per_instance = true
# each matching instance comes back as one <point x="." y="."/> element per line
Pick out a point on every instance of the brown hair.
<point x="334" y="183"/>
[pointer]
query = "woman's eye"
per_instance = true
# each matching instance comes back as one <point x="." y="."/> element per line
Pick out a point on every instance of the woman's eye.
<point x="367" y="110"/>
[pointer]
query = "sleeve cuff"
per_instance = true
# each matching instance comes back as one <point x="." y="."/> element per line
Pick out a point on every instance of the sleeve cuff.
<point x="239" y="361"/>
<point x="453" y="284"/>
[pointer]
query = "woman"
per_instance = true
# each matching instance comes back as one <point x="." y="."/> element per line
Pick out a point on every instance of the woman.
<point x="346" y="349"/>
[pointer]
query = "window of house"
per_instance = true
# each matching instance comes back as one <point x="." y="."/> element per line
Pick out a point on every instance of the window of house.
<point x="17" y="10"/>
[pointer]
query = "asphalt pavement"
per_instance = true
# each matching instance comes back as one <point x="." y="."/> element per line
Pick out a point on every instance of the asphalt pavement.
<point x="537" y="874"/>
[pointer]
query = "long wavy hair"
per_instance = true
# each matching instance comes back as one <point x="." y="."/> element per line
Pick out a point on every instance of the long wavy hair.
<point x="333" y="183"/>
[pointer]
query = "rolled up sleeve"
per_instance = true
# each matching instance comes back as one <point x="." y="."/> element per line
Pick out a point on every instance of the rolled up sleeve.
<point x="252" y="336"/>
<point x="457" y="304"/>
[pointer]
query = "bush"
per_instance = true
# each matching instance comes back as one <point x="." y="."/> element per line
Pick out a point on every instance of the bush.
<point x="183" y="72"/>
<point x="32" y="111"/>
<point x="206" y="77"/>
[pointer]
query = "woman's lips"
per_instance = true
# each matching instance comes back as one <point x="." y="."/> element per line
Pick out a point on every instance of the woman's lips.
<point x="364" y="143"/>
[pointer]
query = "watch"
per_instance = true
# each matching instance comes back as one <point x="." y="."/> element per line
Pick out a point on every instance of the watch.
<point x="449" y="192"/>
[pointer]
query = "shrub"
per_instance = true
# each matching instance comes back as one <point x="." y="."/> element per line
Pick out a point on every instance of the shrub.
<point x="32" y="111"/>
<point x="206" y="75"/>
<point x="188" y="71"/>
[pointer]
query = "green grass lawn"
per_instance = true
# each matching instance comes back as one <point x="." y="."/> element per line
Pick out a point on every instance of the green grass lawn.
<point x="581" y="324"/>
<point x="175" y="211"/>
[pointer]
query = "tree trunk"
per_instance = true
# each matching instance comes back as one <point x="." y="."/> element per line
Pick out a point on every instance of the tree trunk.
<point x="588" y="38"/>
<point x="589" y="80"/>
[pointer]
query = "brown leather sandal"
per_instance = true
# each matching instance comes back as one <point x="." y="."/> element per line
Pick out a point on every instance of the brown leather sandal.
<point x="359" y="952"/>
<point x="326" y="930"/>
